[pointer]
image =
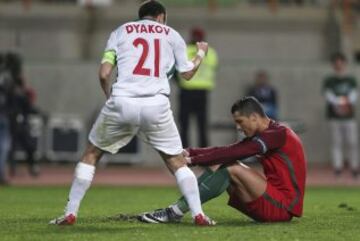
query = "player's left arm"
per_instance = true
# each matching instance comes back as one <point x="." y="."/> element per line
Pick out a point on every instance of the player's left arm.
<point x="109" y="61"/>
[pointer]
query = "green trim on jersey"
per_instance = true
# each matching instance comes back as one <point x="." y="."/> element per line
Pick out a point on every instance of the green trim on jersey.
<point x="109" y="57"/>
<point x="171" y="72"/>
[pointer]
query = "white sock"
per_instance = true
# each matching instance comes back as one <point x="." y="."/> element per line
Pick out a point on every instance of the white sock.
<point x="188" y="185"/>
<point x="84" y="174"/>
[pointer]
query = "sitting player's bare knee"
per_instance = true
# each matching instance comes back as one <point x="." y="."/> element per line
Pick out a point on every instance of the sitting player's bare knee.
<point x="236" y="172"/>
<point x="240" y="171"/>
<point x="247" y="181"/>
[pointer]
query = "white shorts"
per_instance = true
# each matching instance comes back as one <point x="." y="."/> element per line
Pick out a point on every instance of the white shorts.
<point x="151" y="118"/>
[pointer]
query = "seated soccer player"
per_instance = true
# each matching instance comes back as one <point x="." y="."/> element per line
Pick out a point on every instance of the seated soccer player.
<point x="277" y="197"/>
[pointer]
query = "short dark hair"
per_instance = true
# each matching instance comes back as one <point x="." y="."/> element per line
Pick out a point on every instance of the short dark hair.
<point x="13" y="63"/>
<point x="247" y="106"/>
<point x="336" y="56"/>
<point x="151" y="8"/>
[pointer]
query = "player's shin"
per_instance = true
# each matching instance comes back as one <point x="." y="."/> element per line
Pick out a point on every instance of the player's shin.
<point x="84" y="174"/>
<point x="211" y="185"/>
<point x="188" y="185"/>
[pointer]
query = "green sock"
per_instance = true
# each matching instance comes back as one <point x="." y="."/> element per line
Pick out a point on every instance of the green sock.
<point x="207" y="172"/>
<point x="211" y="184"/>
<point x="181" y="203"/>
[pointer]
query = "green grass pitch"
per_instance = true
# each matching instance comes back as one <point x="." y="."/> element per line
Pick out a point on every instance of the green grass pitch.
<point x="329" y="214"/>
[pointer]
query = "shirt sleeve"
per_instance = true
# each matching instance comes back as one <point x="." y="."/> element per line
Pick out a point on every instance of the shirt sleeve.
<point x="111" y="43"/>
<point x="268" y="140"/>
<point x="352" y="96"/>
<point x="182" y="63"/>
<point x="331" y="97"/>
<point x="200" y="151"/>
<point x="353" y="93"/>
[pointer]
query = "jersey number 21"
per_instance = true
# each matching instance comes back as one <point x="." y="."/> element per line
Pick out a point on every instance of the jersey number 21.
<point x="139" y="68"/>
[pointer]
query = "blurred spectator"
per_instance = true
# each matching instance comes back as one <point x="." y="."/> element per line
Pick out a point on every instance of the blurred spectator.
<point x="91" y="14"/>
<point x="274" y="3"/>
<point x="95" y="3"/>
<point x="21" y="106"/>
<point x="26" y="4"/>
<point x="265" y="94"/>
<point x="297" y="2"/>
<point x="5" y="90"/>
<point x="194" y="93"/>
<point x="340" y="90"/>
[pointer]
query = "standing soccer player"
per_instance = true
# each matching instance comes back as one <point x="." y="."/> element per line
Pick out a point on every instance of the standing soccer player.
<point x="275" y="196"/>
<point x="146" y="53"/>
<point x="341" y="93"/>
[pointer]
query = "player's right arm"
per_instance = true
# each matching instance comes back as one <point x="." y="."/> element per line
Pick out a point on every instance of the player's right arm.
<point x="202" y="50"/>
<point x="105" y="77"/>
<point x="107" y="64"/>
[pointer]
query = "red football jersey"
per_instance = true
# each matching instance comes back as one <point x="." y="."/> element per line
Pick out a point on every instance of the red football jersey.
<point x="281" y="154"/>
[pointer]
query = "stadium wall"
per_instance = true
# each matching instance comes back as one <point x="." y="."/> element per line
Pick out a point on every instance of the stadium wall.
<point x="62" y="52"/>
<point x="74" y="88"/>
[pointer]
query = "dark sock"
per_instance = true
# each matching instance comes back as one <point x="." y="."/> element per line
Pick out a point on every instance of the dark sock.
<point x="207" y="172"/>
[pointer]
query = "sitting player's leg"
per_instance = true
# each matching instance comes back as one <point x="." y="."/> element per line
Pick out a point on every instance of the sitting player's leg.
<point x="252" y="195"/>
<point x="175" y="212"/>
<point x="181" y="206"/>
<point x="248" y="183"/>
<point x="188" y="186"/>
<point x="83" y="177"/>
<point x="211" y="184"/>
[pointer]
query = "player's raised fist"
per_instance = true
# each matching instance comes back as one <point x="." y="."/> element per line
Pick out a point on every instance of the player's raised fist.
<point x="203" y="46"/>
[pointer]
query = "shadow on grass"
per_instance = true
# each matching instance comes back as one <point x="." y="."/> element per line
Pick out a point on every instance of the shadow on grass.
<point x="93" y="229"/>
<point x="244" y="223"/>
<point x="106" y="225"/>
<point x="233" y="222"/>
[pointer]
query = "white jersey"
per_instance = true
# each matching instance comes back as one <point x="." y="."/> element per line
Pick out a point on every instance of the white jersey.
<point x="147" y="54"/>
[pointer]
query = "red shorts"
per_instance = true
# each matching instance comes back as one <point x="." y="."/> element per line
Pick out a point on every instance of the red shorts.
<point x="266" y="208"/>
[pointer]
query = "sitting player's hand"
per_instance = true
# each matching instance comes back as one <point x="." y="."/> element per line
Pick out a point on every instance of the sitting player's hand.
<point x="185" y="153"/>
<point x="188" y="161"/>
